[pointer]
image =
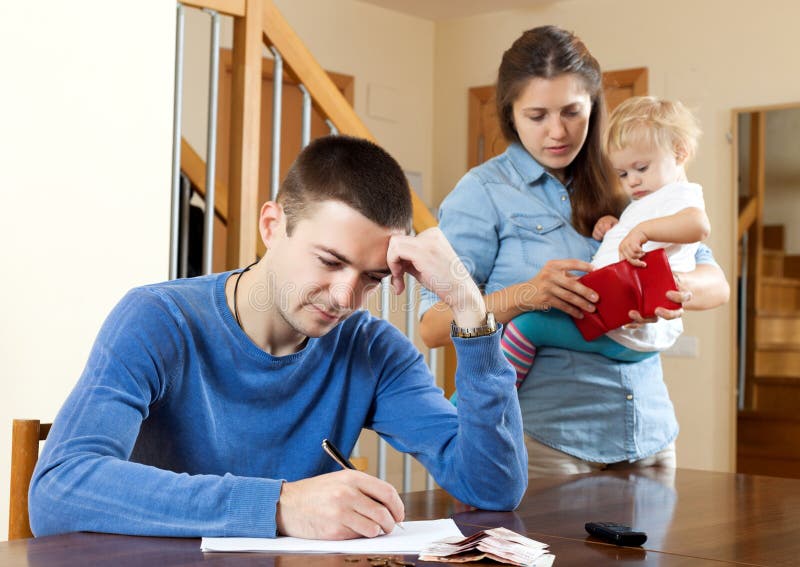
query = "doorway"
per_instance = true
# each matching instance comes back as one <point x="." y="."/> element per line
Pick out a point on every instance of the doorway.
<point x="768" y="301"/>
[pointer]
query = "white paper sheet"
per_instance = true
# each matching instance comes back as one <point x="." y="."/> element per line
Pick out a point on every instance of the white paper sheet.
<point x="410" y="540"/>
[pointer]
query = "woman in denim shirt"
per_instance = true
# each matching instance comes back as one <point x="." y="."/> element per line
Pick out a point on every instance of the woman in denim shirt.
<point x="522" y="224"/>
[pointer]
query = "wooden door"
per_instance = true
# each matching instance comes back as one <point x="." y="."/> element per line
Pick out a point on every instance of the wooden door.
<point x="485" y="140"/>
<point x="291" y="120"/>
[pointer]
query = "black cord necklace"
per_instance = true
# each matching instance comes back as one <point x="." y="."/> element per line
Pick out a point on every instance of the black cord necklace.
<point x="235" y="289"/>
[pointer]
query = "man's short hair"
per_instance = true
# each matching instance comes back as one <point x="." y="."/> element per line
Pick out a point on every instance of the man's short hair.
<point x="350" y="170"/>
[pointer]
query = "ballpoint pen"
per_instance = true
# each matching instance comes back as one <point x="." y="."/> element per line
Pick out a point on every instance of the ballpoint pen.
<point x="334" y="453"/>
<point x="344" y="462"/>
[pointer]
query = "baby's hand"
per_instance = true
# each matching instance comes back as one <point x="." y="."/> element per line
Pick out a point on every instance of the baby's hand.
<point x="630" y="248"/>
<point x="603" y="225"/>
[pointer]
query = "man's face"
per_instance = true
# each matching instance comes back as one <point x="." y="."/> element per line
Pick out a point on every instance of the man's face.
<point x="333" y="260"/>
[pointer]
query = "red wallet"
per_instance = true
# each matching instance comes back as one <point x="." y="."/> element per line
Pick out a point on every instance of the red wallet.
<point x="623" y="287"/>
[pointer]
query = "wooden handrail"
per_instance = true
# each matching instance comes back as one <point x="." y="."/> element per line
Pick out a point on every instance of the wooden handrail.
<point x="228" y="7"/>
<point x="747" y="216"/>
<point x="330" y="102"/>
<point x="193" y="166"/>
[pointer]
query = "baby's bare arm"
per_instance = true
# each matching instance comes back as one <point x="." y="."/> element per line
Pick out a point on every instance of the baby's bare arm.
<point x="686" y="226"/>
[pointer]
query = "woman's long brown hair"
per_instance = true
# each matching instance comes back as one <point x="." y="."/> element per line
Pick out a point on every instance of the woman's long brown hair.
<point x="547" y="52"/>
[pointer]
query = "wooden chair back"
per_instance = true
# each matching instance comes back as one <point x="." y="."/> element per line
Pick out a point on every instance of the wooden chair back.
<point x="25" y="437"/>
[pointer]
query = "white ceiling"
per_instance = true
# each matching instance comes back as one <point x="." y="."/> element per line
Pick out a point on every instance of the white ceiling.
<point x="447" y="9"/>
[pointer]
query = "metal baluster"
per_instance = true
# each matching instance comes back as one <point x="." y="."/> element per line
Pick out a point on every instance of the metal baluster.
<point x="211" y="145"/>
<point x="385" y="299"/>
<point x="433" y="362"/>
<point x="742" y="324"/>
<point x="411" y="312"/>
<point x="277" y="105"/>
<point x="186" y="196"/>
<point x="176" y="145"/>
<point x="305" y="132"/>
<point x="332" y="127"/>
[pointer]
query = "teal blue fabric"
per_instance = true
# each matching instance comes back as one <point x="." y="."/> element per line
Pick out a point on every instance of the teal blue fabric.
<point x="556" y="329"/>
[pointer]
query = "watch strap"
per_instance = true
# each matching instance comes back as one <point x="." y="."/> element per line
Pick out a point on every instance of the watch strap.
<point x="471" y="332"/>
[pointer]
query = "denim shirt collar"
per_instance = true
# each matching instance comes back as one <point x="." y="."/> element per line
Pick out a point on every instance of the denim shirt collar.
<point x="527" y="167"/>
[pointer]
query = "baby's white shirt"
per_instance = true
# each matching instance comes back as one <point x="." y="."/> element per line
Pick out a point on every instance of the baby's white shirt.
<point x="668" y="200"/>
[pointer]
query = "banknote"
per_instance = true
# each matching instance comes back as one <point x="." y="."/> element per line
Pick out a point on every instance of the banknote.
<point x="498" y="544"/>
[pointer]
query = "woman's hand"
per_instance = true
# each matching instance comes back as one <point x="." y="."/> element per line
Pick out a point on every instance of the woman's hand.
<point x="555" y="286"/>
<point x="680" y="296"/>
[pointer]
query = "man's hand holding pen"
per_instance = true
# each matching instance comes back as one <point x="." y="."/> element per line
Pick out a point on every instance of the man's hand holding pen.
<point x="341" y="505"/>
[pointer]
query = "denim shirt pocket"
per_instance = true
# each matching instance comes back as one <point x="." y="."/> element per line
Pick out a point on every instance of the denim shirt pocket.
<point x="537" y="236"/>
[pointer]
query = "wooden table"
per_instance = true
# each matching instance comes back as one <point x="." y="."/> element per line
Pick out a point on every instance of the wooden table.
<point x="693" y="518"/>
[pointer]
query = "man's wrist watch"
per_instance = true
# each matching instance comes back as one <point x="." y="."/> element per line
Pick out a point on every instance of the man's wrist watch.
<point x="471" y="332"/>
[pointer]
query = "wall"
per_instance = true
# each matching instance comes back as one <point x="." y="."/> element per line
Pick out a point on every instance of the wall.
<point x="782" y="174"/>
<point x="781" y="169"/>
<point x="86" y="114"/>
<point x="695" y="51"/>
<point x="389" y="54"/>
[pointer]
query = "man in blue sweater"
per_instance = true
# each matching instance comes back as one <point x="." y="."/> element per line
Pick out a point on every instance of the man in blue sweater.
<point x="204" y="401"/>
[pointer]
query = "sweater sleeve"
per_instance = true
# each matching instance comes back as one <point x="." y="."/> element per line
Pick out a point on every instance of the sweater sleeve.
<point x="84" y="480"/>
<point x="477" y="452"/>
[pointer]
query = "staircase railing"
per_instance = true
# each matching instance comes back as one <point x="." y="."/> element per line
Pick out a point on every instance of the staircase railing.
<point x="256" y="24"/>
<point x="259" y="23"/>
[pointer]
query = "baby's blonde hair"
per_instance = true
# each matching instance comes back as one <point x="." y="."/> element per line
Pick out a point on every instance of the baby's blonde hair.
<point x="667" y="125"/>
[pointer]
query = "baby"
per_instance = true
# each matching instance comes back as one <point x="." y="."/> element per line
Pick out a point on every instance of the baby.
<point x="649" y="142"/>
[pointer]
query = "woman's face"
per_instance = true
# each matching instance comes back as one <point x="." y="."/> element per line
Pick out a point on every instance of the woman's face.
<point x="552" y="119"/>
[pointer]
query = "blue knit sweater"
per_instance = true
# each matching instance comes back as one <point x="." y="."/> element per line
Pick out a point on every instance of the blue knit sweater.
<point x="181" y="426"/>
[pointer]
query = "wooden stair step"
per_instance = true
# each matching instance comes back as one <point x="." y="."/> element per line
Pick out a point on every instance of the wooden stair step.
<point x="772" y="263"/>
<point x="791" y="266"/>
<point x="777" y="363"/>
<point x="780" y="294"/>
<point x="765" y="433"/>
<point x="777" y="331"/>
<point x="780" y="281"/>
<point x="778" y="264"/>
<point x="762" y="453"/>
<point x="767" y="465"/>
<point x="780" y="314"/>
<point x="787" y="380"/>
<point x="768" y="416"/>
<point x="769" y="462"/>
<point x="778" y="347"/>
<point x="773" y="237"/>
<point x="776" y="393"/>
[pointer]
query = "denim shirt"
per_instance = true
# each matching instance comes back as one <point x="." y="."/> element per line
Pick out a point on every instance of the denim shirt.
<point x="505" y="219"/>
